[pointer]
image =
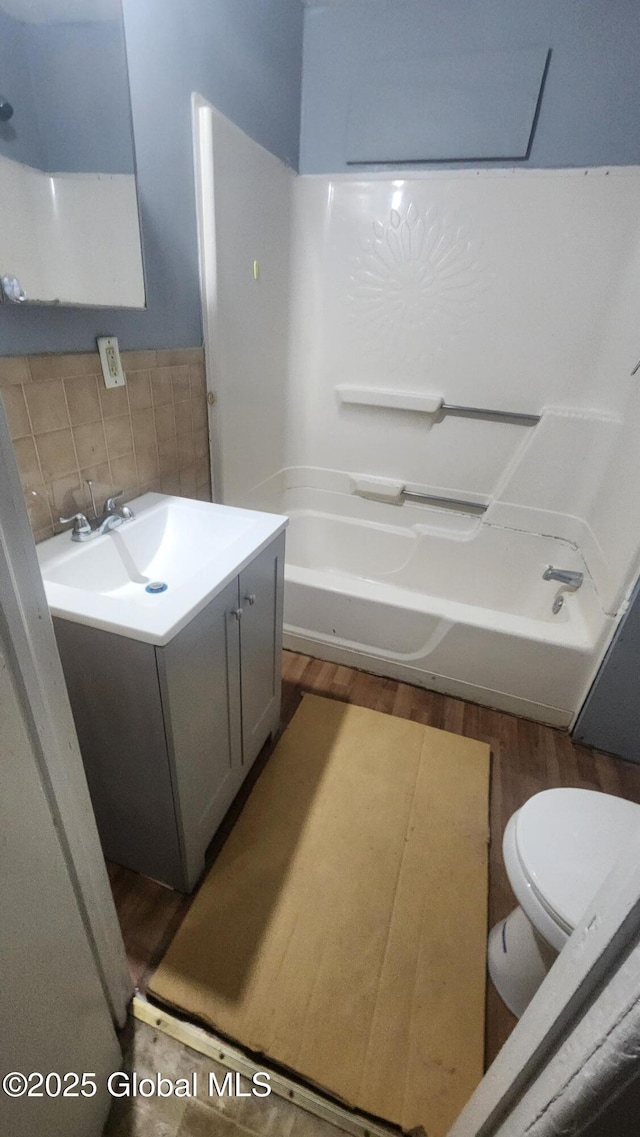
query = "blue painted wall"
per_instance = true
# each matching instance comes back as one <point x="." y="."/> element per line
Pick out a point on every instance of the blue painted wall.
<point x="20" y="137"/>
<point x="69" y="89"/>
<point x="245" y="56"/>
<point x="589" y="114"/>
<point x="81" y="89"/>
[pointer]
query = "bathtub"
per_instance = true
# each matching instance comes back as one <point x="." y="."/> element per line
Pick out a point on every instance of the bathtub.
<point x="463" y="612"/>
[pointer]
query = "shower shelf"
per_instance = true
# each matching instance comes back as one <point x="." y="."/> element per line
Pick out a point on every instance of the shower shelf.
<point x="396" y="400"/>
<point x="395" y="492"/>
<point x="427" y="404"/>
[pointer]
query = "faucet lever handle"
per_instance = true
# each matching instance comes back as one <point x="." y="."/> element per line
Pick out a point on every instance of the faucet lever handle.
<point x="109" y="504"/>
<point x="80" y="523"/>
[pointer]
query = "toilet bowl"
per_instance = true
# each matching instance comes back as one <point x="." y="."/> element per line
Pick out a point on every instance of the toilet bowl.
<point x="558" y="849"/>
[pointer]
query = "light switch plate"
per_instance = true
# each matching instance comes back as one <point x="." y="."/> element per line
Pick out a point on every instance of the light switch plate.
<point x="110" y="360"/>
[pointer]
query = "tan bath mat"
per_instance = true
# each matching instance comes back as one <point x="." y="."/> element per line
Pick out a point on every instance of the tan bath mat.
<point x="342" y="929"/>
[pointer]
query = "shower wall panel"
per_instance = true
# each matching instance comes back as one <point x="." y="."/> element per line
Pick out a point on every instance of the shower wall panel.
<point x="248" y="309"/>
<point x="512" y="290"/>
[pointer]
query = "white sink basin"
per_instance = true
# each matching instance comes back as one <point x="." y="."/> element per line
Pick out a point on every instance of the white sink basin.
<point x="193" y="547"/>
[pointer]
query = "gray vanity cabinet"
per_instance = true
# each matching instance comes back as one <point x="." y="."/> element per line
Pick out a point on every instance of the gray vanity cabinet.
<point x="260" y="596"/>
<point x="199" y="673"/>
<point x="168" y="734"/>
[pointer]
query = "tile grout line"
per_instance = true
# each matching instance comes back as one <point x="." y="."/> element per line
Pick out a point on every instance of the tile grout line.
<point x="75" y="448"/>
<point x="133" y="443"/>
<point x="32" y="436"/>
<point x="104" y="434"/>
<point x="153" y="413"/>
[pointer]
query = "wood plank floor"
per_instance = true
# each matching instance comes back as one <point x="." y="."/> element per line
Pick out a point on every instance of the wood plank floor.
<point x="526" y="758"/>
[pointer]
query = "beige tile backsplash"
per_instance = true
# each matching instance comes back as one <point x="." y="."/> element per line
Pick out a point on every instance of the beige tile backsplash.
<point x="67" y="428"/>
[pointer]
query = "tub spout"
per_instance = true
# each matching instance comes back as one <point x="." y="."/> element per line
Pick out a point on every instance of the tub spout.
<point x="567" y="577"/>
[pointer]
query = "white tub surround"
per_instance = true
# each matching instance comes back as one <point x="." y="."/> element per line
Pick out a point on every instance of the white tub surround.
<point x="477" y="287"/>
<point x="454" y="334"/>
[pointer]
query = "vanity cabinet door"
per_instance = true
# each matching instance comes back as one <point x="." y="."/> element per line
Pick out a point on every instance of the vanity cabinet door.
<point x="200" y="682"/>
<point x="261" y="591"/>
<point x="113" y="689"/>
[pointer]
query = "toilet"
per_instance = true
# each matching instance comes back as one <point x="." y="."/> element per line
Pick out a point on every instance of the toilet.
<point x="558" y="849"/>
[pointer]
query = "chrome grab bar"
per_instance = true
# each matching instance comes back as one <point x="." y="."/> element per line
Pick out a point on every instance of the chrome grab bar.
<point x="444" y="502"/>
<point x="428" y="404"/>
<point x="519" y="417"/>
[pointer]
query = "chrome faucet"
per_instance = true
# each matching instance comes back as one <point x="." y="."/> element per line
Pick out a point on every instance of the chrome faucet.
<point x="111" y="517"/>
<point x="113" y="510"/>
<point x="570" y="579"/>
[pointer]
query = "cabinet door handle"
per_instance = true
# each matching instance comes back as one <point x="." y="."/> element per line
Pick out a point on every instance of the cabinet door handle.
<point x="237" y="612"/>
<point x="251" y="598"/>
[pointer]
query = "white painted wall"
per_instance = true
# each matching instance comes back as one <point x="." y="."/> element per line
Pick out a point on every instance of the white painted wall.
<point x="71" y="238"/>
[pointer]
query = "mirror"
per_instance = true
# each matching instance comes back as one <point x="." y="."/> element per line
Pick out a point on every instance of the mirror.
<point x="69" y="228"/>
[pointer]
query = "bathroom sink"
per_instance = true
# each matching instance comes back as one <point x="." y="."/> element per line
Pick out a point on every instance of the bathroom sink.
<point x="150" y="576"/>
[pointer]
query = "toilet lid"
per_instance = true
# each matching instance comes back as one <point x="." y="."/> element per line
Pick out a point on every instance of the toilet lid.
<point x="568" y="841"/>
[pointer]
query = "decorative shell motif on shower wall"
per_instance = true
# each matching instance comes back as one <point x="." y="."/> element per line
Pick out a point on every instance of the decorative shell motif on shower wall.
<point x="415" y="283"/>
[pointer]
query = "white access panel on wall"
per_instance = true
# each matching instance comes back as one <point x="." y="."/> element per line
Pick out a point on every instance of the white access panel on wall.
<point x="473" y="105"/>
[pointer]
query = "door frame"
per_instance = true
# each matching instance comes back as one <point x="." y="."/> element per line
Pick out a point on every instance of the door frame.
<point x="39" y="677"/>
<point x="202" y="114"/>
<point x="568" y="1057"/>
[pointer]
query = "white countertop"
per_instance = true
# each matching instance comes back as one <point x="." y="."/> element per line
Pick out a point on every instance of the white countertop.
<point x="194" y="547"/>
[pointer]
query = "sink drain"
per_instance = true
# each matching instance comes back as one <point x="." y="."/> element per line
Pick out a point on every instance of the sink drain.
<point x="157" y="586"/>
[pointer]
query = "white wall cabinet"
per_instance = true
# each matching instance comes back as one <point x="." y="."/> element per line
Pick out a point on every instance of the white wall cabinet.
<point x="168" y="734"/>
